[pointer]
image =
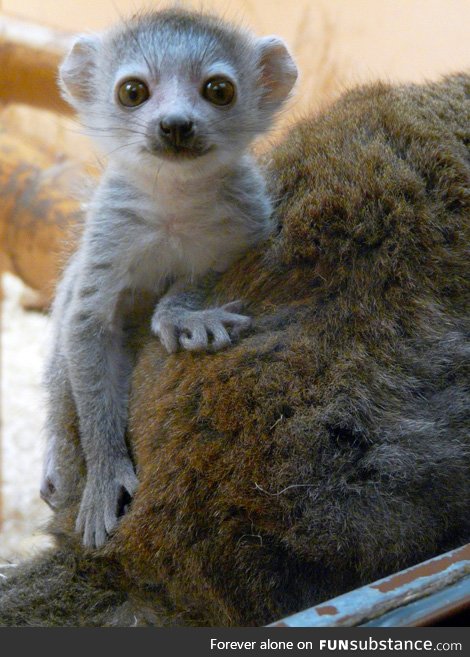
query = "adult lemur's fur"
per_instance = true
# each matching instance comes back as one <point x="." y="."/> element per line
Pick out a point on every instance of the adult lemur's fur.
<point x="175" y="98"/>
<point x="332" y="445"/>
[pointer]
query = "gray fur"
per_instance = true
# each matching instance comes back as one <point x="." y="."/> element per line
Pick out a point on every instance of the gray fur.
<point x="156" y="224"/>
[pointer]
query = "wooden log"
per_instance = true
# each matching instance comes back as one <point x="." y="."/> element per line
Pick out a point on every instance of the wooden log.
<point x="39" y="214"/>
<point x="29" y="59"/>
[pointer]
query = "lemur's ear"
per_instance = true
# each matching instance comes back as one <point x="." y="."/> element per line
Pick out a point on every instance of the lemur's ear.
<point x="278" y="69"/>
<point x="76" y="71"/>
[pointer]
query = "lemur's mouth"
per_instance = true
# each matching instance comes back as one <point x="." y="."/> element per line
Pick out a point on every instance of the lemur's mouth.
<point x="178" y="152"/>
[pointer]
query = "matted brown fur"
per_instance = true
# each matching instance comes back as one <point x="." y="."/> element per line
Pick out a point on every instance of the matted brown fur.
<point x="331" y="446"/>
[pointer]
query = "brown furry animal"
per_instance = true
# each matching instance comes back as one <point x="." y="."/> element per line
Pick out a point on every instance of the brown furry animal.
<point x="331" y="446"/>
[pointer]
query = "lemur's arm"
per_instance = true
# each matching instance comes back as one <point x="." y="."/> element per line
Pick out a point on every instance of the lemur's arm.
<point x="179" y="321"/>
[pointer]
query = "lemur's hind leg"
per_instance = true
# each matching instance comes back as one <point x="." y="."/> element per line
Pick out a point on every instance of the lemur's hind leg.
<point x="55" y="486"/>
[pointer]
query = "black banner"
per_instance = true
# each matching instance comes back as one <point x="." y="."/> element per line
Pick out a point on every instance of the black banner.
<point x="219" y="642"/>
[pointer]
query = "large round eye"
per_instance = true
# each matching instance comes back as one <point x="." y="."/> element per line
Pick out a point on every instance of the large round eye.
<point x="132" y="93"/>
<point x="219" y="91"/>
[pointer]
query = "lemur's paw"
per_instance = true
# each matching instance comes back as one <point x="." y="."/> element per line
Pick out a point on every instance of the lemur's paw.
<point x="200" y="330"/>
<point x="105" y="499"/>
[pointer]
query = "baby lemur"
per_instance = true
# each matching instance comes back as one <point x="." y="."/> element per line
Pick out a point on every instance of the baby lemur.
<point x="175" y="98"/>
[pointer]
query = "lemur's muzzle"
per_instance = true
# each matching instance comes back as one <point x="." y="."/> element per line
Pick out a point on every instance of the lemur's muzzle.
<point x="176" y="137"/>
<point x="176" y="131"/>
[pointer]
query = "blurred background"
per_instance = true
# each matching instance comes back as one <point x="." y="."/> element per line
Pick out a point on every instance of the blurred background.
<point x="43" y="156"/>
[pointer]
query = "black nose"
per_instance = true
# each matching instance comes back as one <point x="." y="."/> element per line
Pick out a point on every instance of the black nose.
<point x="176" y="130"/>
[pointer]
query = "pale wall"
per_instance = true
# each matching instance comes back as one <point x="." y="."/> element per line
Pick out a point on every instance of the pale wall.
<point x="400" y="39"/>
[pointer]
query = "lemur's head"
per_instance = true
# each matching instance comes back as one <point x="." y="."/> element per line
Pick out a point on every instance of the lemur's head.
<point x="177" y="86"/>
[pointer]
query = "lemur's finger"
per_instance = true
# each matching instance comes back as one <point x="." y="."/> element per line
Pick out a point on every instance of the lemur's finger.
<point x="169" y="338"/>
<point x="233" y="319"/>
<point x="47" y="492"/>
<point x="79" y="525"/>
<point x="80" y="521"/>
<point x="100" y="532"/>
<point x="89" y="535"/>
<point x="130" y="483"/>
<point x="220" y="336"/>
<point x="197" y="340"/>
<point x="110" y="515"/>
